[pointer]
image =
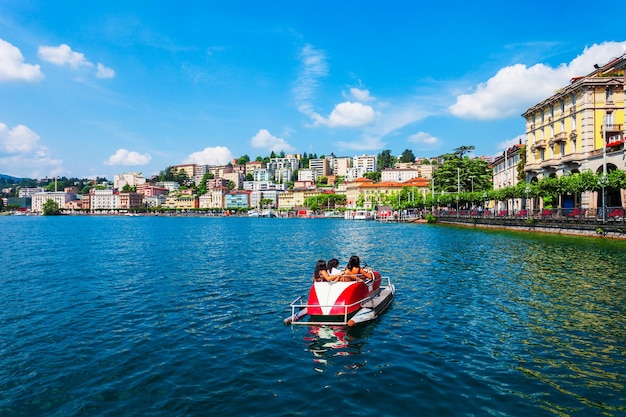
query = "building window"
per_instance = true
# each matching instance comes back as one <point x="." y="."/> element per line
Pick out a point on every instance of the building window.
<point x="542" y="154"/>
<point x="562" y="146"/>
<point x="562" y="106"/>
<point x="563" y="125"/>
<point x="609" y="93"/>
<point x="573" y="99"/>
<point x="573" y="122"/>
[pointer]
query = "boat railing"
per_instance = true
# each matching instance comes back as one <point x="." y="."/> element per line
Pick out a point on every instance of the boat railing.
<point x="299" y="309"/>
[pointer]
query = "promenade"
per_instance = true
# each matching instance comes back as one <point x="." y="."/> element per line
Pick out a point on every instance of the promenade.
<point x="586" y="222"/>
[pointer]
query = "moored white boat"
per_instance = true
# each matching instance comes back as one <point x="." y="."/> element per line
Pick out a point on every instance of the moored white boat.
<point x="343" y="303"/>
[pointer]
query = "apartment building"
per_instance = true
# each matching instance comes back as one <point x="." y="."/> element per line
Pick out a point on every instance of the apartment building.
<point x="505" y="175"/>
<point x="59" y="197"/>
<point x="579" y="128"/>
<point x="132" y="179"/>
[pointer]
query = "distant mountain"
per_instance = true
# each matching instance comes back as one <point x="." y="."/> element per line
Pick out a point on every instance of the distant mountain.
<point x="8" y="177"/>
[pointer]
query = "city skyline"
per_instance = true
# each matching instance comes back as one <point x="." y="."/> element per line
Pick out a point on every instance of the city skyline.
<point x="99" y="89"/>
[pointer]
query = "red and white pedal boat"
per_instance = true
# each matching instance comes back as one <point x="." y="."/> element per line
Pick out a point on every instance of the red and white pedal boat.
<point x="341" y="303"/>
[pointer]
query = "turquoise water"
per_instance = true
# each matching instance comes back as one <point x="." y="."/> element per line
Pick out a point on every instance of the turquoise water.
<point x="175" y="316"/>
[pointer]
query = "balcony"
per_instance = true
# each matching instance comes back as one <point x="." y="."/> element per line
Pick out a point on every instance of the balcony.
<point x="559" y="137"/>
<point x="531" y="167"/>
<point x="550" y="163"/>
<point x="612" y="129"/>
<point x="572" y="159"/>
<point x="539" y="144"/>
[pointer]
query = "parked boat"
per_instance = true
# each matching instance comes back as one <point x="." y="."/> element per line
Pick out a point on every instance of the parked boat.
<point x="358" y="215"/>
<point x="343" y="303"/>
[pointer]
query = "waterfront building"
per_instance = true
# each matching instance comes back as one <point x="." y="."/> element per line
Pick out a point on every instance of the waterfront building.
<point x="59" y="197"/>
<point x="579" y="128"/>
<point x="132" y="179"/>
<point x="259" y="195"/>
<point x="368" y="194"/>
<point x="130" y="200"/>
<point x="181" y="202"/>
<point x="238" y="199"/>
<point x="213" y="199"/>
<point x="27" y="192"/>
<point x="505" y="175"/>
<point x="100" y="200"/>
<point x="155" y="200"/>
<point x="295" y="199"/>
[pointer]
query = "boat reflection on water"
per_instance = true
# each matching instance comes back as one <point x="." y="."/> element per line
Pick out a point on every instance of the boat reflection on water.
<point x="337" y="346"/>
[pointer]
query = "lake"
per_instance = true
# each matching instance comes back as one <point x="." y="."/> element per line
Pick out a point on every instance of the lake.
<point x="183" y="316"/>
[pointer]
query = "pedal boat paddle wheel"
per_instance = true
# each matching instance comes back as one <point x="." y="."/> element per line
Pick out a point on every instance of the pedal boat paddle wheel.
<point x="343" y="303"/>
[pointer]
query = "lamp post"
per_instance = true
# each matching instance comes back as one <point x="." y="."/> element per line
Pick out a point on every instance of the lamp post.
<point x="527" y="191"/>
<point x="484" y="203"/>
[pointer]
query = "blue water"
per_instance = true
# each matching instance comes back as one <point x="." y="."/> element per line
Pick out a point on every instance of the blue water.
<point x="176" y="316"/>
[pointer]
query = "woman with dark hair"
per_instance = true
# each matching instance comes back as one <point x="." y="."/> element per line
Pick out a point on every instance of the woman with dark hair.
<point x="354" y="269"/>
<point x="333" y="267"/>
<point x="320" y="273"/>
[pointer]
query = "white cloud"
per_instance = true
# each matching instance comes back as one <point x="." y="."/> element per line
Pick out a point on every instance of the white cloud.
<point x="264" y="139"/>
<point x="361" y="94"/>
<point x="12" y="66"/>
<point x="22" y="155"/>
<point x="219" y="155"/>
<point x="314" y="67"/>
<point x="423" y="138"/>
<point x="104" y="72"/>
<point x="20" y="139"/>
<point x="124" y="157"/>
<point x="63" y="55"/>
<point x="349" y="114"/>
<point x="512" y="89"/>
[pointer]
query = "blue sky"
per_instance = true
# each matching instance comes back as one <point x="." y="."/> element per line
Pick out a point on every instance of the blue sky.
<point x="95" y="88"/>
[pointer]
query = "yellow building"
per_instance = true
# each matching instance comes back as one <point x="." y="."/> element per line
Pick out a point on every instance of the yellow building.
<point x="579" y="128"/>
<point x="372" y="194"/>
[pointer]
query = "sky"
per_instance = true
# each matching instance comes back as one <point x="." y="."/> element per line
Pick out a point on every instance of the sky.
<point x="97" y="88"/>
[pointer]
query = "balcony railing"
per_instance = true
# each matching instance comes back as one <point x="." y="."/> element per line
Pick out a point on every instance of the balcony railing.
<point x="559" y="137"/>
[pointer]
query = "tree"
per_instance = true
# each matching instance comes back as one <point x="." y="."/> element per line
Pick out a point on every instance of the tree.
<point x="373" y="176"/>
<point x="243" y="160"/>
<point x="407" y="156"/>
<point x="462" y="150"/>
<point x="127" y="188"/>
<point x="386" y="160"/>
<point x="50" y="207"/>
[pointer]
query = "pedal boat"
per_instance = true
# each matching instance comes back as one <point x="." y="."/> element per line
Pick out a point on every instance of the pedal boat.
<point x="343" y="303"/>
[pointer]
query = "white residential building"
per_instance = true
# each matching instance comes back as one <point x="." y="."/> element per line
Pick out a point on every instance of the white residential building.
<point x="59" y="197"/>
<point x="369" y="163"/>
<point x="103" y="200"/>
<point x="132" y="179"/>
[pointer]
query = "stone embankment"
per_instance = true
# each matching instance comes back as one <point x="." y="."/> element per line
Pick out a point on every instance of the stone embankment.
<point x="589" y="227"/>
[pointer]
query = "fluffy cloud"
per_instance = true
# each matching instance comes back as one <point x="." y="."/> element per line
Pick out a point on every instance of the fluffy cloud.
<point x="63" y="55"/>
<point x="423" y="138"/>
<point x="104" y="72"/>
<point x="349" y="114"/>
<point x="219" y="155"/>
<point x="12" y="66"/>
<point x="124" y="157"/>
<point x="20" y="139"/>
<point x="512" y="89"/>
<point x="22" y="155"/>
<point x="264" y="139"/>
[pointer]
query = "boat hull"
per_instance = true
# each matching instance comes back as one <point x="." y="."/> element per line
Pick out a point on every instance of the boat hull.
<point x="344" y="302"/>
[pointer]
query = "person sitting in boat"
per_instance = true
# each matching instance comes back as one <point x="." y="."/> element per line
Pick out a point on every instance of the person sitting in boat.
<point x="354" y="271"/>
<point x="335" y="274"/>
<point x="320" y="273"/>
